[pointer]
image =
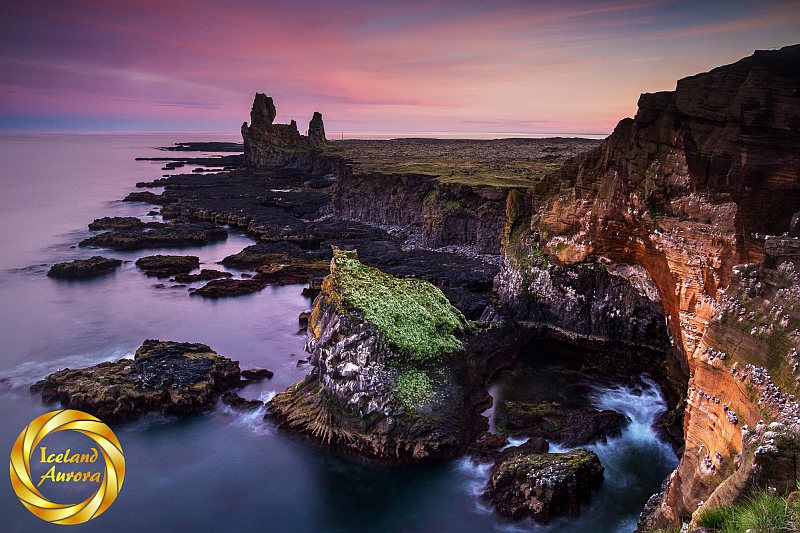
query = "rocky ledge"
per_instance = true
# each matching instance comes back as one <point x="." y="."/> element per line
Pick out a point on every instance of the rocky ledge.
<point x="163" y="266"/>
<point x="525" y="482"/>
<point x="389" y="379"/>
<point x="176" y="233"/>
<point x="84" y="268"/>
<point x="164" y="376"/>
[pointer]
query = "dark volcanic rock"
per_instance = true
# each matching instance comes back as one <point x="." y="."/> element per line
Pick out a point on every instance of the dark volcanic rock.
<point x="256" y="374"/>
<point x="147" y="197"/>
<point x="232" y="399"/>
<point x="120" y="223"/>
<point x="164" y="376"/>
<point x="206" y="274"/>
<point x="162" y="266"/>
<point x="84" y="268"/>
<point x="158" y="235"/>
<point x="569" y="426"/>
<point x="290" y="271"/>
<point x="267" y="144"/>
<point x="542" y="485"/>
<point x="316" y="130"/>
<point x="220" y="288"/>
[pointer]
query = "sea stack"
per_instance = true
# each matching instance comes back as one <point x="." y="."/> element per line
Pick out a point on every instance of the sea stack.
<point x="267" y="144"/>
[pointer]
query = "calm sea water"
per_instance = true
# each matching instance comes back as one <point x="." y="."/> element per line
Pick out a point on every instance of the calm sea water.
<point x="223" y="470"/>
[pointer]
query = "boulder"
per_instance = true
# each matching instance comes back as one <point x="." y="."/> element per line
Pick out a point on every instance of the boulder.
<point x="220" y="288"/>
<point x="542" y="485"/>
<point x="162" y="266"/>
<point x="84" y="268"/>
<point x="257" y="374"/>
<point x="235" y="401"/>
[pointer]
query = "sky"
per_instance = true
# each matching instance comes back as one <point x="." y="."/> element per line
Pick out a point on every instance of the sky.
<point x="374" y="66"/>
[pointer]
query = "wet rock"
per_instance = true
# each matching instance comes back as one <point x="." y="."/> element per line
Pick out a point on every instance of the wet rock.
<point x="120" y="223"/>
<point x="164" y="376"/>
<point x="269" y="253"/>
<point x="84" y="268"/>
<point x="148" y="197"/>
<point x="303" y="318"/>
<point x="158" y="235"/>
<point x="569" y="426"/>
<point x="235" y="401"/>
<point x="257" y="374"/>
<point x="542" y="485"/>
<point x="290" y="271"/>
<point x="487" y="447"/>
<point x="162" y="266"/>
<point x="206" y="274"/>
<point x="221" y="288"/>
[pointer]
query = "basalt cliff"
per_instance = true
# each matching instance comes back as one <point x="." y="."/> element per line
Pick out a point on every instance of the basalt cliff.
<point x="698" y="193"/>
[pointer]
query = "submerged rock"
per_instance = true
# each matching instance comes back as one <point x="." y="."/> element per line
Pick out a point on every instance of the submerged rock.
<point x="206" y="274"/>
<point x="257" y="374"/>
<point x="164" y="376"/>
<point x="542" y="485"/>
<point x="232" y="399"/>
<point x="162" y="266"/>
<point x="84" y="268"/>
<point x="220" y="288"/>
<point x="389" y="374"/>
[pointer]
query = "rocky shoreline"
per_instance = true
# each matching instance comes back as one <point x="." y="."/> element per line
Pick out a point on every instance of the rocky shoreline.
<point x="669" y="248"/>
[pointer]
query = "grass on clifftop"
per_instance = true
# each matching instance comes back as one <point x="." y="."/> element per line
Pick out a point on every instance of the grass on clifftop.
<point x="763" y="512"/>
<point x="413" y="315"/>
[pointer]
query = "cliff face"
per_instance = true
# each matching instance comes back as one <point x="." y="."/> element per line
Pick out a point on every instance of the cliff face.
<point x="267" y="144"/>
<point x="442" y="214"/>
<point x="685" y="191"/>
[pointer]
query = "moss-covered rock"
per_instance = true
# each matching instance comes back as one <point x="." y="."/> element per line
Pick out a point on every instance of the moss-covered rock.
<point x="542" y="485"/>
<point x="389" y="378"/>
<point x="164" y="376"/>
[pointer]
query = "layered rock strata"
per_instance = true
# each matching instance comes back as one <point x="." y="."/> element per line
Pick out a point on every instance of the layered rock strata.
<point x="687" y="190"/>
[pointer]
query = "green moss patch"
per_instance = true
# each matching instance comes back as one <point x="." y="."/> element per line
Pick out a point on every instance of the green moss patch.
<point x="413" y="389"/>
<point x="412" y="315"/>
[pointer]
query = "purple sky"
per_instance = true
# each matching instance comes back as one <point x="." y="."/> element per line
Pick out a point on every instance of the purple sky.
<point x="509" y="67"/>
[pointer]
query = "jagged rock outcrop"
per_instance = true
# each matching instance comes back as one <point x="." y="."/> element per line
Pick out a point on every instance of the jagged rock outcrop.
<point x="269" y="145"/>
<point x="164" y="376"/>
<point x="389" y="379"/>
<point x="542" y="485"/>
<point x="686" y="190"/>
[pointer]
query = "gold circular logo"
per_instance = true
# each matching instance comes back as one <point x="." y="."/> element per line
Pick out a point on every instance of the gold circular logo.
<point x="109" y="484"/>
